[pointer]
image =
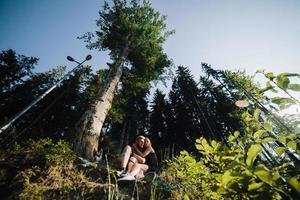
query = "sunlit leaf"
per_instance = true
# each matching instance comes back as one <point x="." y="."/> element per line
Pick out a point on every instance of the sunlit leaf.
<point x="231" y="138"/>
<point x="263" y="174"/>
<point x="282" y="82"/>
<point x="289" y="74"/>
<point x="294" y="183"/>
<point x="270" y="75"/>
<point x="280" y="150"/>
<point x="236" y="134"/>
<point x="186" y="197"/>
<point x="253" y="151"/>
<point x="282" y="139"/>
<point x="226" y="177"/>
<point x="268" y="139"/>
<point x="292" y="136"/>
<point x="259" y="133"/>
<point x="267" y="126"/>
<point x="255" y="186"/>
<point x="282" y="100"/>
<point x="294" y="87"/>
<point x="292" y="145"/>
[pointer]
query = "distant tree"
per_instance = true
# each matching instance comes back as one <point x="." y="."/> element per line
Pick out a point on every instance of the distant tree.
<point x="133" y="33"/>
<point x="158" y="120"/>
<point x="186" y="117"/>
<point x="56" y="113"/>
<point x="14" y="69"/>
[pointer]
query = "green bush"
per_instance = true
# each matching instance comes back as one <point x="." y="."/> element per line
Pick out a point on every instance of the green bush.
<point x="240" y="170"/>
<point x="46" y="151"/>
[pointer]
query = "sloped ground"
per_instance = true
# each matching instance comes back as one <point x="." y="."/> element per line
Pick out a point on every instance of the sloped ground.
<point x="26" y="174"/>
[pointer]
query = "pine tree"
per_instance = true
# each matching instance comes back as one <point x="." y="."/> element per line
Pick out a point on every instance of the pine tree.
<point x="158" y="127"/>
<point x="133" y="33"/>
<point x="182" y="98"/>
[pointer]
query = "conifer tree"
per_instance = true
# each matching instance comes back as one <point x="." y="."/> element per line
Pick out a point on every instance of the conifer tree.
<point x="158" y="120"/>
<point x="133" y="33"/>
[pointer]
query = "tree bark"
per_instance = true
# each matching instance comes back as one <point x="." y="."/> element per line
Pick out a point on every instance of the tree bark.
<point x="89" y="126"/>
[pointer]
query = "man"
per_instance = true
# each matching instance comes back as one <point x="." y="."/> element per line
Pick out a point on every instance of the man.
<point x="129" y="158"/>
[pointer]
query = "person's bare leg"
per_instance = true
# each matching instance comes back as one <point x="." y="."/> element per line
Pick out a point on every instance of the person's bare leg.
<point x="143" y="167"/>
<point x="135" y="170"/>
<point x="140" y="175"/>
<point x="140" y="159"/>
<point x="132" y="161"/>
<point x="125" y="156"/>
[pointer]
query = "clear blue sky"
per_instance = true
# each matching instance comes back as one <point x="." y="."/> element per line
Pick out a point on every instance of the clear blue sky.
<point x="229" y="34"/>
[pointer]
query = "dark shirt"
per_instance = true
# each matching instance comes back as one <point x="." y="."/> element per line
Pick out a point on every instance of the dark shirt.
<point x="151" y="161"/>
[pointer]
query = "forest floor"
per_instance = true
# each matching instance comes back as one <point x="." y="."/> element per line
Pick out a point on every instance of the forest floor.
<point x="25" y="176"/>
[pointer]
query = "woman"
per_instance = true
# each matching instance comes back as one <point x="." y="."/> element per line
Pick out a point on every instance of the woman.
<point x="141" y="162"/>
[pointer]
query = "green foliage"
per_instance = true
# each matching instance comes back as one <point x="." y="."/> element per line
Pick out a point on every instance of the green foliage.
<point x="47" y="152"/>
<point x="136" y="25"/>
<point x="294" y="87"/>
<point x="237" y="171"/>
<point x="14" y="69"/>
<point x="282" y="81"/>
<point x="56" y="113"/>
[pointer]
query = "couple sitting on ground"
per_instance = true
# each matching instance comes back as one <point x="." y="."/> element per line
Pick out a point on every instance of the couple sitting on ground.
<point x="137" y="160"/>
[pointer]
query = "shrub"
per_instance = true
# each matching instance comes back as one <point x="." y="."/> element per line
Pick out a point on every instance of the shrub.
<point x="46" y="151"/>
<point x="240" y="170"/>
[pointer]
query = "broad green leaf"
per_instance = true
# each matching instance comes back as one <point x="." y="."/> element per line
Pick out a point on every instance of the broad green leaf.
<point x="226" y="177"/>
<point x="282" y="100"/>
<point x="288" y="74"/>
<point x="282" y="82"/>
<point x="284" y="106"/>
<point x="259" y="133"/>
<point x="275" y="176"/>
<point x="294" y="87"/>
<point x="199" y="147"/>
<point x="255" y="186"/>
<point x="292" y="145"/>
<point x="295" y="183"/>
<point x="267" y="126"/>
<point x="215" y="145"/>
<point x="280" y="150"/>
<point x="263" y="174"/>
<point x="282" y="139"/>
<point x="268" y="139"/>
<point x="253" y="151"/>
<point x="292" y="136"/>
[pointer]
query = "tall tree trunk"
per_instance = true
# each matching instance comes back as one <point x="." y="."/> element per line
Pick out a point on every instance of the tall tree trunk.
<point x="89" y="126"/>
